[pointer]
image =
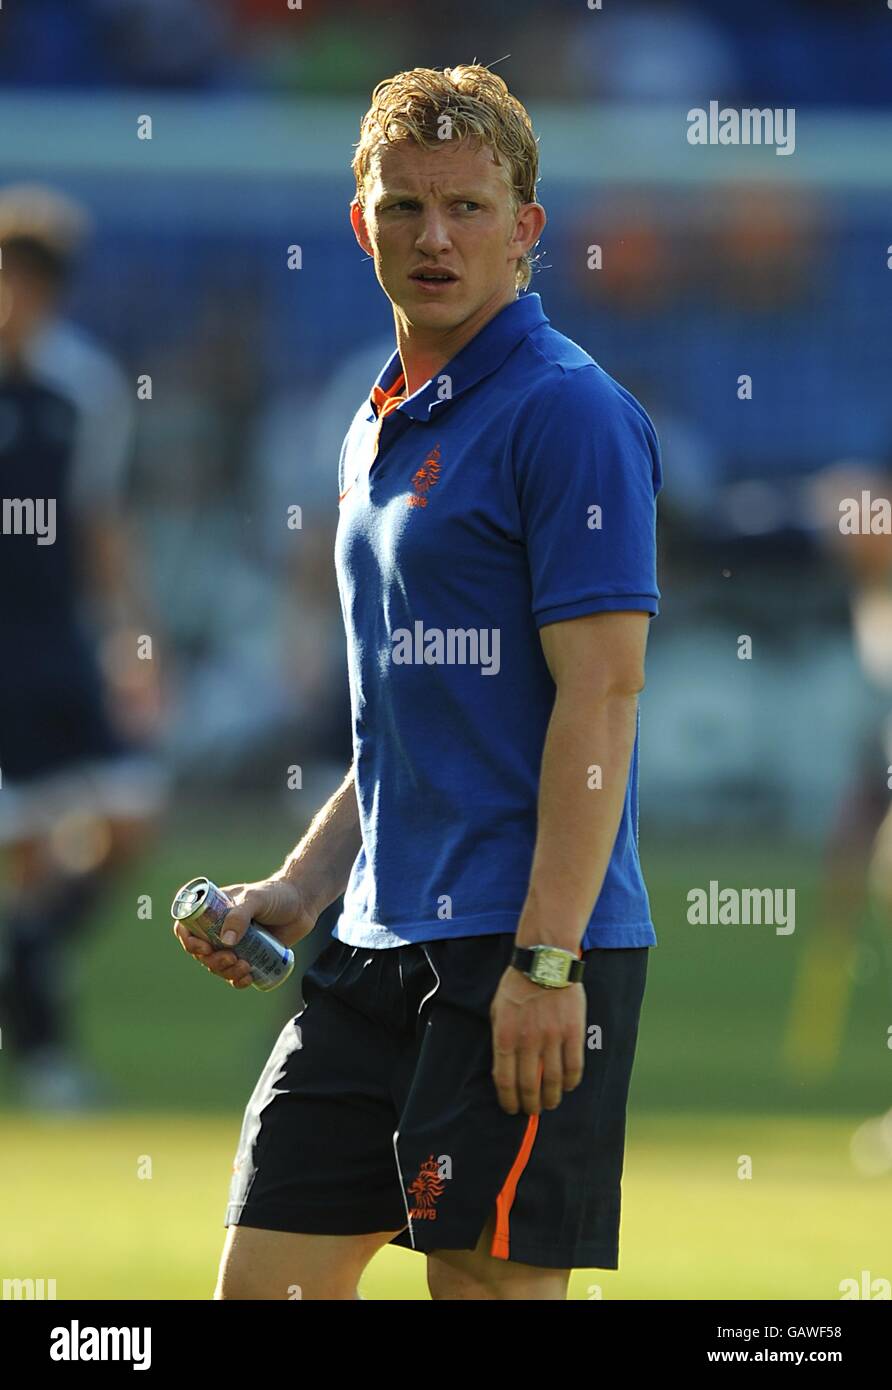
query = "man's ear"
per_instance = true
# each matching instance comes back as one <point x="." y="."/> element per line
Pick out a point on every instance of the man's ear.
<point x="528" y="227"/>
<point x="360" y="231"/>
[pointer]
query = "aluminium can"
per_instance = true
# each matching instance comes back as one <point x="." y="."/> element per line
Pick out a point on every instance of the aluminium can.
<point x="203" y="908"/>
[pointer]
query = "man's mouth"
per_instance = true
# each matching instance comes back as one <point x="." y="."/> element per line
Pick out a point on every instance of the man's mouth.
<point x="433" y="277"/>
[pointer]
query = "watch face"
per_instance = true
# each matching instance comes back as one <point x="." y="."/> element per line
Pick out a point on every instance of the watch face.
<point x="549" y="968"/>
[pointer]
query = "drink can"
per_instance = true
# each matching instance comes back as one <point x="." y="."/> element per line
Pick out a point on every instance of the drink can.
<point x="203" y="907"/>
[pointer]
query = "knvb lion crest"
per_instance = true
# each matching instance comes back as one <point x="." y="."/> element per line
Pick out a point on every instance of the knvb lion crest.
<point x="424" y="478"/>
<point x="425" y="1191"/>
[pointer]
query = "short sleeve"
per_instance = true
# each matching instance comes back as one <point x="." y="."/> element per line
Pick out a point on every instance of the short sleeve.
<point x="105" y="438"/>
<point x="587" y="472"/>
<point x="71" y="363"/>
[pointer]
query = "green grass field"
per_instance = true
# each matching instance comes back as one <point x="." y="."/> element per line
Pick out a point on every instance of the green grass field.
<point x="82" y="1214"/>
<point x="182" y="1052"/>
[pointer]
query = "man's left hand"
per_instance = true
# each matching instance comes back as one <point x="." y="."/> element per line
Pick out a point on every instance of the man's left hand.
<point x="538" y="1043"/>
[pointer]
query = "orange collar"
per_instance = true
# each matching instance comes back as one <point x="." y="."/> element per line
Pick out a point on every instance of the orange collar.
<point x="385" y="401"/>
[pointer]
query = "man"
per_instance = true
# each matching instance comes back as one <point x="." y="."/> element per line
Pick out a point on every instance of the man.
<point x="495" y="557"/>
<point x="77" y="792"/>
<point x="857" y="855"/>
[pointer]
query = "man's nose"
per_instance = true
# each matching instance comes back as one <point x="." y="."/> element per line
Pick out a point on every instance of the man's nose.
<point x="433" y="238"/>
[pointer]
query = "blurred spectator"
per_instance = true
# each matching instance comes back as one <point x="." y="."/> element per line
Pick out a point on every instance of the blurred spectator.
<point x="858" y="857"/>
<point x="77" y="706"/>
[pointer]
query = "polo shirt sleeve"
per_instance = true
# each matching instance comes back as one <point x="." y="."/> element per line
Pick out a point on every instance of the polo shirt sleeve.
<point x="587" y="472"/>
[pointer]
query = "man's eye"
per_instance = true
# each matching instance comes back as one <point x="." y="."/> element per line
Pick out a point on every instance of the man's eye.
<point x="396" y="207"/>
<point x="468" y="205"/>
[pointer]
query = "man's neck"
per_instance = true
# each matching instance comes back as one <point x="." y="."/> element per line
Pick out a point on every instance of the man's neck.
<point x="424" y="352"/>
<point x="13" y="349"/>
<point x="18" y="339"/>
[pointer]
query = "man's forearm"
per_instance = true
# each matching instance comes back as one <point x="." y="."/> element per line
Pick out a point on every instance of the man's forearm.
<point x="114" y="577"/>
<point x="322" y="861"/>
<point x="579" y="814"/>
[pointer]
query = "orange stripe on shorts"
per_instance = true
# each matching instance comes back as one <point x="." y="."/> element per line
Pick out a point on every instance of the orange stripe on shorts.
<point x="501" y="1240"/>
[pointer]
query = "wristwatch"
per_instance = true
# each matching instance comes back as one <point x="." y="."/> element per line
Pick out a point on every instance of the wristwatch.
<point x="549" y="966"/>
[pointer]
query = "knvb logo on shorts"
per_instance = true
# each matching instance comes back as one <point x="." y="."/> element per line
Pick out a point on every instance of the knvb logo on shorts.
<point x="29" y="516"/>
<point x="717" y="907"/>
<point x="451" y="646"/>
<point x="748" y="126"/>
<point x="425" y="1191"/>
<point x="424" y="478"/>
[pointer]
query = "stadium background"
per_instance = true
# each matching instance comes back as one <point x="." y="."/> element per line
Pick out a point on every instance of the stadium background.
<point x="716" y="262"/>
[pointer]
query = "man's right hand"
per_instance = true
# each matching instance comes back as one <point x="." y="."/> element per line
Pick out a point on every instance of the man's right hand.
<point x="276" y="904"/>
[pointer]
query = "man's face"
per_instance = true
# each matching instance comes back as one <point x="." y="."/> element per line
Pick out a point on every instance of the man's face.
<point x="26" y="300"/>
<point x="447" y="211"/>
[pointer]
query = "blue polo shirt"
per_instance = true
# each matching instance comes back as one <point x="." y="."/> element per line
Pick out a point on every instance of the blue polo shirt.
<point x="514" y="489"/>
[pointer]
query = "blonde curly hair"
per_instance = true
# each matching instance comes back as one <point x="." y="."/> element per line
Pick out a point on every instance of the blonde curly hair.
<point x="471" y="103"/>
<point x="39" y="213"/>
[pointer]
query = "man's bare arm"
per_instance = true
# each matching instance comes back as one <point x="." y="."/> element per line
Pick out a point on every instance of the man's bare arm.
<point x="320" y="864"/>
<point x="288" y="903"/>
<point x="597" y="663"/>
<point x="115" y="595"/>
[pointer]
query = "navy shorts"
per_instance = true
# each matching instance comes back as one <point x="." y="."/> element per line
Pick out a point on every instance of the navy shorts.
<point x="377" y="1111"/>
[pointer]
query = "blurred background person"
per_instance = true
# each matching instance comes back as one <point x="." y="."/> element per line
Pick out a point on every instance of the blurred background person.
<point x="848" y="499"/>
<point x="77" y="704"/>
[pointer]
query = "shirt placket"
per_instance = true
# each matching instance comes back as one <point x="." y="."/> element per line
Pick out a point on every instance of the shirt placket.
<point x="391" y="424"/>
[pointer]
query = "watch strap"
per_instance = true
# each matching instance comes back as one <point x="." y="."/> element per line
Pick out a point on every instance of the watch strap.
<point x="523" y="958"/>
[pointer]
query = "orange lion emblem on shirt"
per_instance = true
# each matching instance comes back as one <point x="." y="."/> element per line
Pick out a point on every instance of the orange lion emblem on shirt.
<point x="424" y="478"/>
